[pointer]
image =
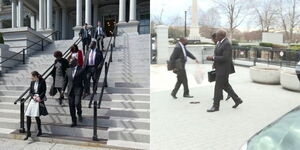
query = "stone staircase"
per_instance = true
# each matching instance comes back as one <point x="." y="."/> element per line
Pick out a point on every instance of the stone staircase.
<point x="124" y="117"/>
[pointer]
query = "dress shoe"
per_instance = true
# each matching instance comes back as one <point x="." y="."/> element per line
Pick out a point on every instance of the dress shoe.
<point x="213" y="109"/>
<point x="39" y="133"/>
<point x="188" y="96"/>
<point x="27" y="136"/>
<point x="228" y="97"/>
<point x="237" y="104"/>
<point x="80" y="118"/>
<point x="174" y="96"/>
<point x="73" y="125"/>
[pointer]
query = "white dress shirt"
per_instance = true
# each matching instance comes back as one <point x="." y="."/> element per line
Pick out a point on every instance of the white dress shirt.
<point x="183" y="50"/>
<point x="92" y="58"/>
<point x="74" y="71"/>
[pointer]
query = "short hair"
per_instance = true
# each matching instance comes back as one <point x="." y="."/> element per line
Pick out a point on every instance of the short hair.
<point x="74" y="48"/>
<point x="36" y="74"/>
<point x="214" y="35"/>
<point x="221" y="32"/>
<point x="85" y="24"/>
<point x="57" y="54"/>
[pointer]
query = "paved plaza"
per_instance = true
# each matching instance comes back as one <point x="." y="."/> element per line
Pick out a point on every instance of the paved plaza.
<point x="177" y="124"/>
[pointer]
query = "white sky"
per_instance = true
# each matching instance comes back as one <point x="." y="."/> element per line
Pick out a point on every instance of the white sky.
<point x="177" y="7"/>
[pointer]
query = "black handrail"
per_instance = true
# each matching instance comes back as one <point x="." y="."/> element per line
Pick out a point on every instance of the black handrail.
<point x="23" y="50"/>
<point x="23" y="100"/>
<point x="104" y="84"/>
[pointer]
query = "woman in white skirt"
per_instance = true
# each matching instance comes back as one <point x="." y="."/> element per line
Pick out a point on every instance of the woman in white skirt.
<point x="36" y="106"/>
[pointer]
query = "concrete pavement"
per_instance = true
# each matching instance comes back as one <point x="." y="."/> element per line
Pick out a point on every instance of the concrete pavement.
<point x="177" y="124"/>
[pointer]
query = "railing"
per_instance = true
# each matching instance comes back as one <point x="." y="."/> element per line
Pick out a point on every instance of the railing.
<point x="28" y="47"/>
<point x="270" y="56"/>
<point x="96" y="105"/>
<point x="21" y="98"/>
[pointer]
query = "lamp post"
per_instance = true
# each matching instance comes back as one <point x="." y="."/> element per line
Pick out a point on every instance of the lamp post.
<point x="185" y="23"/>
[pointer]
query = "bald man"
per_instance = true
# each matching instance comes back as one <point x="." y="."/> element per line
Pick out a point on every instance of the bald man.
<point x="224" y="66"/>
<point x="178" y="60"/>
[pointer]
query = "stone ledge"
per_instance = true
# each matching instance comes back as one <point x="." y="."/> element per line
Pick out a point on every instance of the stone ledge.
<point x="265" y="75"/>
<point x="289" y="80"/>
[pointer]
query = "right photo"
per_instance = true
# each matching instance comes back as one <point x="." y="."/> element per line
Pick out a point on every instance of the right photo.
<point x="225" y="75"/>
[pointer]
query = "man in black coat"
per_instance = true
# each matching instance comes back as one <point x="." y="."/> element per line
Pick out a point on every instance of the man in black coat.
<point x="178" y="60"/>
<point x="99" y="35"/>
<point x="85" y="35"/>
<point x="74" y="79"/>
<point x="224" y="66"/>
<point x="92" y="64"/>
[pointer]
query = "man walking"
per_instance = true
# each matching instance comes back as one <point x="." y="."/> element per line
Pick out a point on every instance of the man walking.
<point x="74" y="79"/>
<point x="224" y="66"/>
<point x="177" y="61"/>
<point x="85" y="35"/>
<point x="92" y="64"/>
<point x="100" y="35"/>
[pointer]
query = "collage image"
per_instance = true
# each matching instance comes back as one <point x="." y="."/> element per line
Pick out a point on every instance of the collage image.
<point x="149" y="75"/>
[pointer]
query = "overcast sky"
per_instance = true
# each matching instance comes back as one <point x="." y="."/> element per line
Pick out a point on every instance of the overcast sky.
<point x="173" y="8"/>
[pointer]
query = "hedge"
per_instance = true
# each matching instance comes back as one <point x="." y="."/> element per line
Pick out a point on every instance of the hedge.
<point x="1" y="39"/>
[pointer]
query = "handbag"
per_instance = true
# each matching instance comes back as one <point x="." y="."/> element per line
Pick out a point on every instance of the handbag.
<point x="52" y="91"/>
<point x="212" y="76"/>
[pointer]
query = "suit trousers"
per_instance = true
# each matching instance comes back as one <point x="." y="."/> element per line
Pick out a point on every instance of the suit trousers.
<point x="91" y="72"/>
<point x="85" y="45"/>
<point x="221" y="84"/>
<point x="100" y="40"/>
<point x="74" y="103"/>
<point x="181" y="79"/>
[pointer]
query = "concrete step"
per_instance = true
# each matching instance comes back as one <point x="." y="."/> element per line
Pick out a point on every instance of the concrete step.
<point x="108" y="97"/>
<point x="114" y="112"/>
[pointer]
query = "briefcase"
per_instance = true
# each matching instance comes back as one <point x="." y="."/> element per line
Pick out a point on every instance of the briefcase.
<point x="212" y="76"/>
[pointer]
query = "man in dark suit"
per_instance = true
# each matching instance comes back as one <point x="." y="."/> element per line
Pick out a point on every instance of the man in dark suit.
<point x="99" y="35"/>
<point x="178" y="60"/>
<point x="214" y="39"/>
<point x="92" y="64"/>
<point x="85" y="35"/>
<point x="224" y="66"/>
<point x="74" y="79"/>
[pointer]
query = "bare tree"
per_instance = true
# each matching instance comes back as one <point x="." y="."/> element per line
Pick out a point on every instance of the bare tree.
<point x="289" y="16"/>
<point x="233" y="10"/>
<point x="210" y="18"/>
<point x="266" y="15"/>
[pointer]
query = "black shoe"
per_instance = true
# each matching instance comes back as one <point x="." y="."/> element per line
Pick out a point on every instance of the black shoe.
<point x="27" y="136"/>
<point x="213" y="109"/>
<point x="73" y="125"/>
<point x="60" y="101"/>
<point x="173" y="95"/>
<point x="80" y="118"/>
<point x="237" y="104"/>
<point x="228" y="97"/>
<point x="39" y="133"/>
<point x="188" y="96"/>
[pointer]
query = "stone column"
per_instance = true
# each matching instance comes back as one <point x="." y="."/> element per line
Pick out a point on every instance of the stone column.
<point x="88" y="12"/>
<point x="57" y="13"/>
<point x="45" y="14"/>
<point x="32" y="21"/>
<point x="14" y="13"/>
<point x="1" y="4"/>
<point x="162" y="44"/>
<point x="64" y="23"/>
<point x="78" y="12"/>
<point x="41" y="14"/>
<point x="20" y="14"/>
<point x="95" y="13"/>
<point x="132" y="16"/>
<point x="1" y="24"/>
<point x="49" y="14"/>
<point x="122" y="10"/>
<point x="194" y="29"/>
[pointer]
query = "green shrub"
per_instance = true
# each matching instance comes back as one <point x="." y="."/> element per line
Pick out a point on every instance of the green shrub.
<point x="264" y="44"/>
<point x="1" y="39"/>
<point x="294" y="47"/>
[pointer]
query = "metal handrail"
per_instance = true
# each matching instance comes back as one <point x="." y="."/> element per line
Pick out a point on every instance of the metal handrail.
<point x="95" y="105"/>
<point x="23" y="50"/>
<point x="21" y="98"/>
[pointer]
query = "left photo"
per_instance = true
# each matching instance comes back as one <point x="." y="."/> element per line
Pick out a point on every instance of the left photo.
<point x="74" y="74"/>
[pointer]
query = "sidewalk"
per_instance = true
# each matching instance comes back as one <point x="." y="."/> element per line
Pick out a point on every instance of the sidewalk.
<point x="11" y="144"/>
<point x="177" y="124"/>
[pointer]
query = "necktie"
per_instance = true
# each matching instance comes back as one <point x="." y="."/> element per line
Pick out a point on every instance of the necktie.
<point x="99" y="31"/>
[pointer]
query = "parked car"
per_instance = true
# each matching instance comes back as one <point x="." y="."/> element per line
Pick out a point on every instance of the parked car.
<point x="282" y="134"/>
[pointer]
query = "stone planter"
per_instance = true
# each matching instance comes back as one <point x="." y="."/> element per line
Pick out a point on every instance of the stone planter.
<point x="289" y="80"/>
<point x="265" y="75"/>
